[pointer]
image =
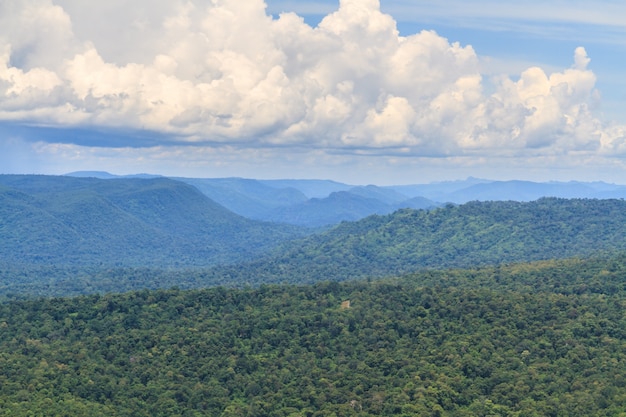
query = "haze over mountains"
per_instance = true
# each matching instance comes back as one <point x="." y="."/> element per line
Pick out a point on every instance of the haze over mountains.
<point x="438" y="312"/>
<point x="318" y="203"/>
<point x="68" y="234"/>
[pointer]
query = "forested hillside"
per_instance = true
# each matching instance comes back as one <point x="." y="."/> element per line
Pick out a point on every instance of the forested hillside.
<point x="500" y="337"/>
<point x="472" y="234"/>
<point x="64" y="221"/>
<point x="544" y="339"/>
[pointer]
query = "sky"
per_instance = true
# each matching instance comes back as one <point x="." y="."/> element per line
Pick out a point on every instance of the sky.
<point x="357" y="91"/>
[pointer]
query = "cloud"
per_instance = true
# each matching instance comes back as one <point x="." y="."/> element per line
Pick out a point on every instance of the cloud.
<point x="534" y="17"/>
<point x="225" y="73"/>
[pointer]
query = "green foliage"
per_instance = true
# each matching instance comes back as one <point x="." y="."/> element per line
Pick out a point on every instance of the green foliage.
<point x="527" y="339"/>
<point x="68" y="222"/>
<point x="149" y="234"/>
<point x="473" y="234"/>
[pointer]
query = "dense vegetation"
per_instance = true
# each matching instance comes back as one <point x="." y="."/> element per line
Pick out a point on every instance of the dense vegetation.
<point x="472" y="234"/>
<point x="504" y="338"/>
<point x="64" y="221"/>
<point x="543" y="339"/>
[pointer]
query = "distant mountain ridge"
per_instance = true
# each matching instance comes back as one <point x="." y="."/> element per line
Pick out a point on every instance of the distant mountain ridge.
<point x="290" y="201"/>
<point x="454" y="236"/>
<point x="315" y="203"/>
<point x="71" y="230"/>
<point x="106" y="175"/>
<point x="247" y="197"/>
<point x="337" y="207"/>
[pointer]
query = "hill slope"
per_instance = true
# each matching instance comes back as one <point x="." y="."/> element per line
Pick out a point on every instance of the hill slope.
<point x="131" y="222"/>
<point x="105" y="227"/>
<point x="477" y="233"/>
<point x="246" y="197"/>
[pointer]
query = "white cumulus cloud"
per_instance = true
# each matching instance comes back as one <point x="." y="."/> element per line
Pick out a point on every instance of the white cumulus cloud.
<point x="225" y="72"/>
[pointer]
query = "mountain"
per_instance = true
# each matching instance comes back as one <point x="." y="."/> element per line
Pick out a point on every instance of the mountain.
<point x="92" y="174"/>
<point x="385" y="195"/>
<point x="472" y="234"/>
<point x="352" y="205"/>
<point x="249" y="198"/>
<point x="107" y="176"/>
<point x="313" y="203"/>
<point x="474" y="189"/>
<point x="416" y="203"/>
<point x="520" y="191"/>
<point x="619" y="192"/>
<point x="339" y="206"/>
<point x="437" y="191"/>
<point x="310" y="188"/>
<point x="455" y="236"/>
<point x="127" y="222"/>
<point x="294" y="202"/>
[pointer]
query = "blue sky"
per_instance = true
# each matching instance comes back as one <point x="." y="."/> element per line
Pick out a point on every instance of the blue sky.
<point x="356" y="91"/>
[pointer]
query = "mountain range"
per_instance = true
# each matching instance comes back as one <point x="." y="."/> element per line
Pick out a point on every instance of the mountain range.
<point x="323" y="203"/>
<point x="441" y="312"/>
<point x="470" y="235"/>
<point x="65" y="234"/>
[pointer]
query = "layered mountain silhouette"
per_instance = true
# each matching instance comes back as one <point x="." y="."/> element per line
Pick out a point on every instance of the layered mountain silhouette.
<point x="92" y="226"/>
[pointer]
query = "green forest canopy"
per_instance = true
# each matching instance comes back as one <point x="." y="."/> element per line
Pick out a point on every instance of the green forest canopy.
<point x="541" y="339"/>
<point x="472" y="234"/>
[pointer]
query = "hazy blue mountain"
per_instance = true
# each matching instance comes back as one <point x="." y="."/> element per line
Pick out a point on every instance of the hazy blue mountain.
<point x="337" y="207"/>
<point x="520" y="191"/>
<point x="247" y="197"/>
<point x="157" y="222"/>
<point x="474" y="189"/>
<point x="254" y="199"/>
<point x="281" y="201"/>
<point x="296" y="201"/>
<point x="394" y="199"/>
<point x="615" y="192"/>
<point x="290" y="201"/>
<point x="386" y="195"/>
<point x="416" y="203"/>
<point x="354" y="204"/>
<point x="105" y="175"/>
<point x="437" y="191"/>
<point x="92" y="174"/>
<point x="310" y="188"/>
